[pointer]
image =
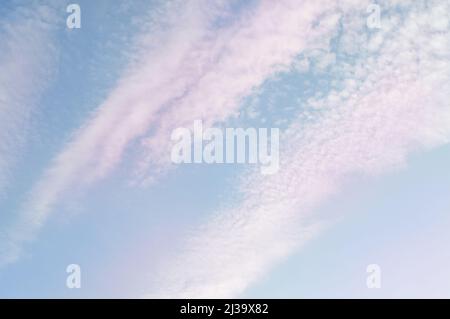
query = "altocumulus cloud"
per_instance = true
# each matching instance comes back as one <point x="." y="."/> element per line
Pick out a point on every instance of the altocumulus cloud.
<point x="387" y="104"/>
<point x="387" y="100"/>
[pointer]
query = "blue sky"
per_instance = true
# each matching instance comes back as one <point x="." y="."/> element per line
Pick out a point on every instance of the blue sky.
<point x="86" y="178"/>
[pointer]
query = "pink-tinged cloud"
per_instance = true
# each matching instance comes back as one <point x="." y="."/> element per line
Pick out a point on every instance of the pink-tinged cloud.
<point x="392" y="102"/>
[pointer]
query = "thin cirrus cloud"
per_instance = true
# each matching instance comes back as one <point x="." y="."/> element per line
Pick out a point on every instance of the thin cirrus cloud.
<point x="389" y="103"/>
<point x="27" y="55"/>
<point x="201" y="70"/>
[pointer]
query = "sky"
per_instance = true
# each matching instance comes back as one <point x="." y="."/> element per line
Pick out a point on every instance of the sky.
<point x="358" y="90"/>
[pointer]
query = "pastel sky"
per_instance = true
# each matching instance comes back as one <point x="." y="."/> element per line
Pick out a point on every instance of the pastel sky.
<point x="86" y="117"/>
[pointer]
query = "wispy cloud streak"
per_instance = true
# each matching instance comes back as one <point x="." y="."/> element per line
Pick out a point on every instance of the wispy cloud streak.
<point x="236" y="61"/>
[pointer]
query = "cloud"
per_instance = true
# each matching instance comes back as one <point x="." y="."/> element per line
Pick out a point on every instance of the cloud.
<point x="27" y="55"/>
<point x="236" y="61"/>
<point x="197" y="70"/>
<point x="388" y="102"/>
